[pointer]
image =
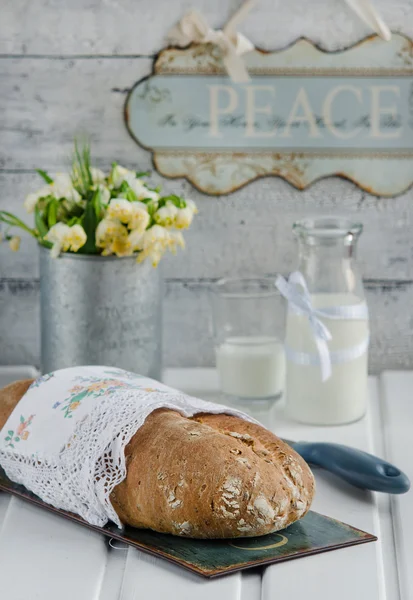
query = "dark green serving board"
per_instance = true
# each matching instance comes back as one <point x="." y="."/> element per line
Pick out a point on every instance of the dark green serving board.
<point x="313" y="534"/>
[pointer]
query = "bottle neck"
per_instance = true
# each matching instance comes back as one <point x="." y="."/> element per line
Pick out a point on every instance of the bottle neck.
<point x="330" y="267"/>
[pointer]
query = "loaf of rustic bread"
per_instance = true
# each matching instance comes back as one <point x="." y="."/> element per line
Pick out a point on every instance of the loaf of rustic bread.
<point x="208" y="476"/>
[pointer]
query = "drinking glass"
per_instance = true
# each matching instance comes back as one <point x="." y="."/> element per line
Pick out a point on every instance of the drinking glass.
<point x="248" y="316"/>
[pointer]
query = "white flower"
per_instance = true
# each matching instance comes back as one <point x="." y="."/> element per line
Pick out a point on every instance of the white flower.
<point x="155" y="235"/>
<point x="65" y="238"/>
<point x="32" y="199"/>
<point x="140" y="217"/>
<point x="120" y="174"/>
<point x="184" y="218"/>
<point x="14" y="243"/>
<point x="176" y="239"/>
<point x="166" y="215"/>
<point x="112" y="236"/>
<point x="133" y="214"/>
<point x="155" y="242"/>
<point x="98" y="175"/>
<point x="104" y="194"/>
<point x="136" y="239"/>
<point x="109" y="230"/>
<point x="191" y="204"/>
<point x="120" y="247"/>
<point x="141" y="191"/>
<point x="76" y="238"/>
<point x="62" y="187"/>
<point x="121" y="209"/>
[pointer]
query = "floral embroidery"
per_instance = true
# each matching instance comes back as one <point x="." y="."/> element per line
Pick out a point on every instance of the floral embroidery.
<point x="41" y="380"/>
<point x="92" y="386"/>
<point x="21" y="432"/>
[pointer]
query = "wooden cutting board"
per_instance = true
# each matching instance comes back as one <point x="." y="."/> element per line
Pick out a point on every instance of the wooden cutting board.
<point x="313" y="534"/>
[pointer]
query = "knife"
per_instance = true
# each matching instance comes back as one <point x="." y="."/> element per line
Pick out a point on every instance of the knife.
<point x="359" y="468"/>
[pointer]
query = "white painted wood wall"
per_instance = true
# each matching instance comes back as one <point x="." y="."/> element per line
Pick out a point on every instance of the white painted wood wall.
<point x="66" y="66"/>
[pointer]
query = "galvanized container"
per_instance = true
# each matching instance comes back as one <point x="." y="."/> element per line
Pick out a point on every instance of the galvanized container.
<point x="99" y="310"/>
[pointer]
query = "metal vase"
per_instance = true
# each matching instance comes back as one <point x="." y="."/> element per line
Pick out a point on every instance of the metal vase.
<point x="99" y="310"/>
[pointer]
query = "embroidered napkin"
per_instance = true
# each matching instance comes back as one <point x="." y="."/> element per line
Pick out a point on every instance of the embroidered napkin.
<point x="66" y="438"/>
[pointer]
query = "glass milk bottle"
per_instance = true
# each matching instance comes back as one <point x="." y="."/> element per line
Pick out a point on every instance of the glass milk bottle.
<point x="337" y="393"/>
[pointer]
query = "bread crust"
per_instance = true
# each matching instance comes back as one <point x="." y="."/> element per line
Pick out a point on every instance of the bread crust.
<point x="10" y="397"/>
<point x="209" y="476"/>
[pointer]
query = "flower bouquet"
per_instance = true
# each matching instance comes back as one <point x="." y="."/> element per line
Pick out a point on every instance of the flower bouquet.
<point x="95" y="308"/>
<point x="90" y="212"/>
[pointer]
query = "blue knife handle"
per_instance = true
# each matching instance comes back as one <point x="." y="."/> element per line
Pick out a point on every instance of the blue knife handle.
<point x="358" y="468"/>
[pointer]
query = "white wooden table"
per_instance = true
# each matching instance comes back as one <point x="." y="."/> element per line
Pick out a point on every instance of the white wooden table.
<point x="44" y="557"/>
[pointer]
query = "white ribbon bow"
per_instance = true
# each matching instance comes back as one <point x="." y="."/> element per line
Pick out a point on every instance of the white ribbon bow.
<point x="366" y="11"/>
<point x="194" y="28"/>
<point x="296" y="292"/>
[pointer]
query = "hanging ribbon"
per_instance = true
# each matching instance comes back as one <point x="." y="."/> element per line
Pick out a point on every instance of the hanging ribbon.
<point x="296" y="292"/>
<point x="366" y="11"/>
<point x="194" y="28"/>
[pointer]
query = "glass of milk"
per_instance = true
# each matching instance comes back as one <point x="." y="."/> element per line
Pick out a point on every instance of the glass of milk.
<point x="248" y="322"/>
<point x="327" y="260"/>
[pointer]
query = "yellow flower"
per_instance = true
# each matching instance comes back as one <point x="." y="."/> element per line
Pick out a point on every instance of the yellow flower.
<point x="74" y="405"/>
<point x="120" y="209"/>
<point x="122" y="247"/>
<point x="108" y="230"/>
<point x="14" y="243"/>
<point x="65" y="238"/>
<point x="76" y="238"/>
<point x="25" y="435"/>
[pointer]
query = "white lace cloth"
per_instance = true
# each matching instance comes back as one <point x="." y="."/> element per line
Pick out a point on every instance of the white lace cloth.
<point x="66" y="438"/>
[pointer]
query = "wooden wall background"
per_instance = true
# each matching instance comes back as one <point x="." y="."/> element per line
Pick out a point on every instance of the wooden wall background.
<point x="66" y="65"/>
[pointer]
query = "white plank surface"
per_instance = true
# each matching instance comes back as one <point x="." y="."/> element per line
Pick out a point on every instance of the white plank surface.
<point x="63" y="560"/>
<point x="139" y="26"/>
<point x="397" y="390"/>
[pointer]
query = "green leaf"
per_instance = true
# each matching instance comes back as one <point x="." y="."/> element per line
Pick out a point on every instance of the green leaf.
<point x="81" y="161"/>
<point x="8" y="438"/>
<point x="89" y="222"/>
<point x="10" y="432"/>
<point x="143" y="173"/>
<point x="124" y="187"/>
<point x="17" y="439"/>
<point x="44" y="175"/>
<point x="13" y="221"/>
<point x="52" y="213"/>
<point x="11" y="445"/>
<point x="21" y="419"/>
<point x="45" y="244"/>
<point x="74" y="221"/>
<point x="97" y="204"/>
<point x="177" y="200"/>
<point x="39" y="222"/>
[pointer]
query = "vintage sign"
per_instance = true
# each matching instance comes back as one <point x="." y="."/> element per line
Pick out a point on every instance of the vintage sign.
<point x="305" y="114"/>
